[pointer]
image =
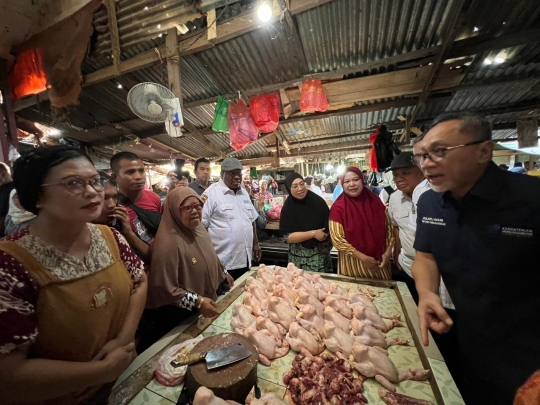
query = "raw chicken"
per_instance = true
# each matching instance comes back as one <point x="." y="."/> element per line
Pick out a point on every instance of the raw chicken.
<point x="288" y="276"/>
<point x="302" y="284"/>
<point x="266" y="275"/>
<point x="338" y="290"/>
<point x="360" y="299"/>
<point x="374" y="319"/>
<point x="308" y="318"/>
<point x="204" y="396"/>
<point x="393" y="398"/>
<point x="299" y="338"/>
<point x="275" y="329"/>
<point x="318" y="281"/>
<point x="241" y="318"/>
<point x="257" y="307"/>
<point x="295" y="271"/>
<point x="340" y="305"/>
<point x="336" y="340"/>
<point x="366" y="334"/>
<point x="330" y="315"/>
<point x="374" y="362"/>
<point x="266" y="344"/>
<point x="305" y="298"/>
<point x="257" y="292"/>
<point x="286" y="294"/>
<point x="281" y="312"/>
<point x="268" y="399"/>
<point x="250" y="280"/>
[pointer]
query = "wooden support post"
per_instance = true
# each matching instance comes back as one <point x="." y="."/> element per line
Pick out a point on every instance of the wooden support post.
<point x="115" y="36"/>
<point x="175" y="85"/>
<point x="211" y="23"/>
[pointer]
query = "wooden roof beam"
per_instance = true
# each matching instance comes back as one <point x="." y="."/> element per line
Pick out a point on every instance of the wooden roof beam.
<point x="451" y="31"/>
<point x="115" y="36"/>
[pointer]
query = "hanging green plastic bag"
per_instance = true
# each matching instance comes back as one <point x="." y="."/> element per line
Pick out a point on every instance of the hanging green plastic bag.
<point x="220" y="123"/>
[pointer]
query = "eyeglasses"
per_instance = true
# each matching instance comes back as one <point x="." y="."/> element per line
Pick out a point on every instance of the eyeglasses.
<point x="191" y="207"/>
<point x="298" y="185"/>
<point x="438" y="153"/>
<point x="77" y="185"/>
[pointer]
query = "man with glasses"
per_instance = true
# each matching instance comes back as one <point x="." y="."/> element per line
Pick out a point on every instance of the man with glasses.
<point x="229" y="216"/>
<point x="479" y="227"/>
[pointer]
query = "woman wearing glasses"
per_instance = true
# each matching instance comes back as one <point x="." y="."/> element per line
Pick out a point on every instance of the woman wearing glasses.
<point x="71" y="293"/>
<point x="186" y="272"/>
<point x="304" y="221"/>
<point x="361" y="230"/>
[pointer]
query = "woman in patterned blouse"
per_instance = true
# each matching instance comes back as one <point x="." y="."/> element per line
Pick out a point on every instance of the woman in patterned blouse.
<point x="71" y="293"/>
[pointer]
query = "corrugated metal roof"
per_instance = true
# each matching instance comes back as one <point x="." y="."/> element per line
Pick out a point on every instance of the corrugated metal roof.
<point x="265" y="56"/>
<point x="490" y="96"/>
<point x="344" y="33"/>
<point x="341" y="125"/>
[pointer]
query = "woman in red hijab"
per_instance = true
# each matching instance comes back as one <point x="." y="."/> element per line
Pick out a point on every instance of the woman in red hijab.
<point x="360" y="230"/>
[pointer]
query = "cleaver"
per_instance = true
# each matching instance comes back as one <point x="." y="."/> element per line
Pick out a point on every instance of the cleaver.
<point x="214" y="358"/>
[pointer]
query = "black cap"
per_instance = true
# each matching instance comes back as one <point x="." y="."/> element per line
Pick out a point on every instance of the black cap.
<point x="404" y="159"/>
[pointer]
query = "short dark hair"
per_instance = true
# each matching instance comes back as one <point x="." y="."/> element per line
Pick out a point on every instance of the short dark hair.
<point x="472" y="124"/>
<point x="199" y="161"/>
<point x="31" y="170"/>
<point x="115" y="160"/>
<point x="110" y="179"/>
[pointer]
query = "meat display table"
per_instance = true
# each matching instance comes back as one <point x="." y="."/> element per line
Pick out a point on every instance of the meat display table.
<point x="138" y="387"/>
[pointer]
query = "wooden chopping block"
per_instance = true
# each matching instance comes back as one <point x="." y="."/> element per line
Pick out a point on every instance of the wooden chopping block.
<point x="233" y="381"/>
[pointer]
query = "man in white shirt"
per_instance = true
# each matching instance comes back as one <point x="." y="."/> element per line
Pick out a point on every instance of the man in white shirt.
<point x="229" y="216"/>
<point x="312" y="187"/>
<point x="406" y="177"/>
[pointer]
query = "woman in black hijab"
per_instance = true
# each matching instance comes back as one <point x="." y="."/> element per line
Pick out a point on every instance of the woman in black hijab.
<point x="304" y="221"/>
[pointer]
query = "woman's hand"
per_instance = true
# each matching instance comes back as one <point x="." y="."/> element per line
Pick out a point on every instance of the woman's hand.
<point x="208" y="308"/>
<point x="117" y="361"/>
<point x="385" y="259"/>
<point x="230" y="280"/>
<point x="320" y="235"/>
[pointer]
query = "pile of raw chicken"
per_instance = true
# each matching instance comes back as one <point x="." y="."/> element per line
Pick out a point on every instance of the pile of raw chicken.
<point x="288" y="308"/>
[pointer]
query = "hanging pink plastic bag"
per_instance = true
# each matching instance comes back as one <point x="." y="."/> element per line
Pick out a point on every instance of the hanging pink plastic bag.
<point x="242" y="128"/>
<point x="274" y="214"/>
<point x="264" y="109"/>
<point x="168" y="375"/>
<point x="313" y="98"/>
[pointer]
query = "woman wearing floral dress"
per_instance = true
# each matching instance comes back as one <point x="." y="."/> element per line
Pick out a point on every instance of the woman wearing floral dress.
<point x="71" y="292"/>
<point x="304" y="221"/>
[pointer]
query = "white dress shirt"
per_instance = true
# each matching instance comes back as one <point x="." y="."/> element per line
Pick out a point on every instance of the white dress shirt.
<point x="399" y="210"/>
<point x="417" y="193"/>
<point x="229" y="217"/>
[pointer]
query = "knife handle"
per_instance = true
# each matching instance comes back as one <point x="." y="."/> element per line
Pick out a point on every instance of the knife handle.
<point x="188" y="359"/>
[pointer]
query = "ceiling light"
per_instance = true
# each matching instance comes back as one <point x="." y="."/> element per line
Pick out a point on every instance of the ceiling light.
<point x="475" y="29"/>
<point x="119" y="86"/>
<point x="487" y="62"/>
<point x="264" y="12"/>
<point x="500" y="60"/>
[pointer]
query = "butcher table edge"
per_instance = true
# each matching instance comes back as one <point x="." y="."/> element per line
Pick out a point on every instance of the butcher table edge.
<point x="137" y="385"/>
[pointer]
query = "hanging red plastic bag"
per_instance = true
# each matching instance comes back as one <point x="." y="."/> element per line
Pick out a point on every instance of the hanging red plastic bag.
<point x="264" y="109"/>
<point x="313" y="98"/>
<point x="274" y="214"/>
<point x="220" y="123"/>
<point x="27" y="76"/>
<point x="242" y="128"/>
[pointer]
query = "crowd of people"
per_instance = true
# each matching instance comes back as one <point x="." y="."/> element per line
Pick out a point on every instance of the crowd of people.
<point x="94" y="269"/>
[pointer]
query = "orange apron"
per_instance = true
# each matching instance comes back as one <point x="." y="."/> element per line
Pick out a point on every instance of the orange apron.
<point x="76" y="318"/>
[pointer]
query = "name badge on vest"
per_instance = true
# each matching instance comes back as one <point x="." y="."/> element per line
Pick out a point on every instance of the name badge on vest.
<point x="101" y="297"/>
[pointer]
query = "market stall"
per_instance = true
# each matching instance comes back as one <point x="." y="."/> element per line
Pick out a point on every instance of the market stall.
<point x="137" y="385"/>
